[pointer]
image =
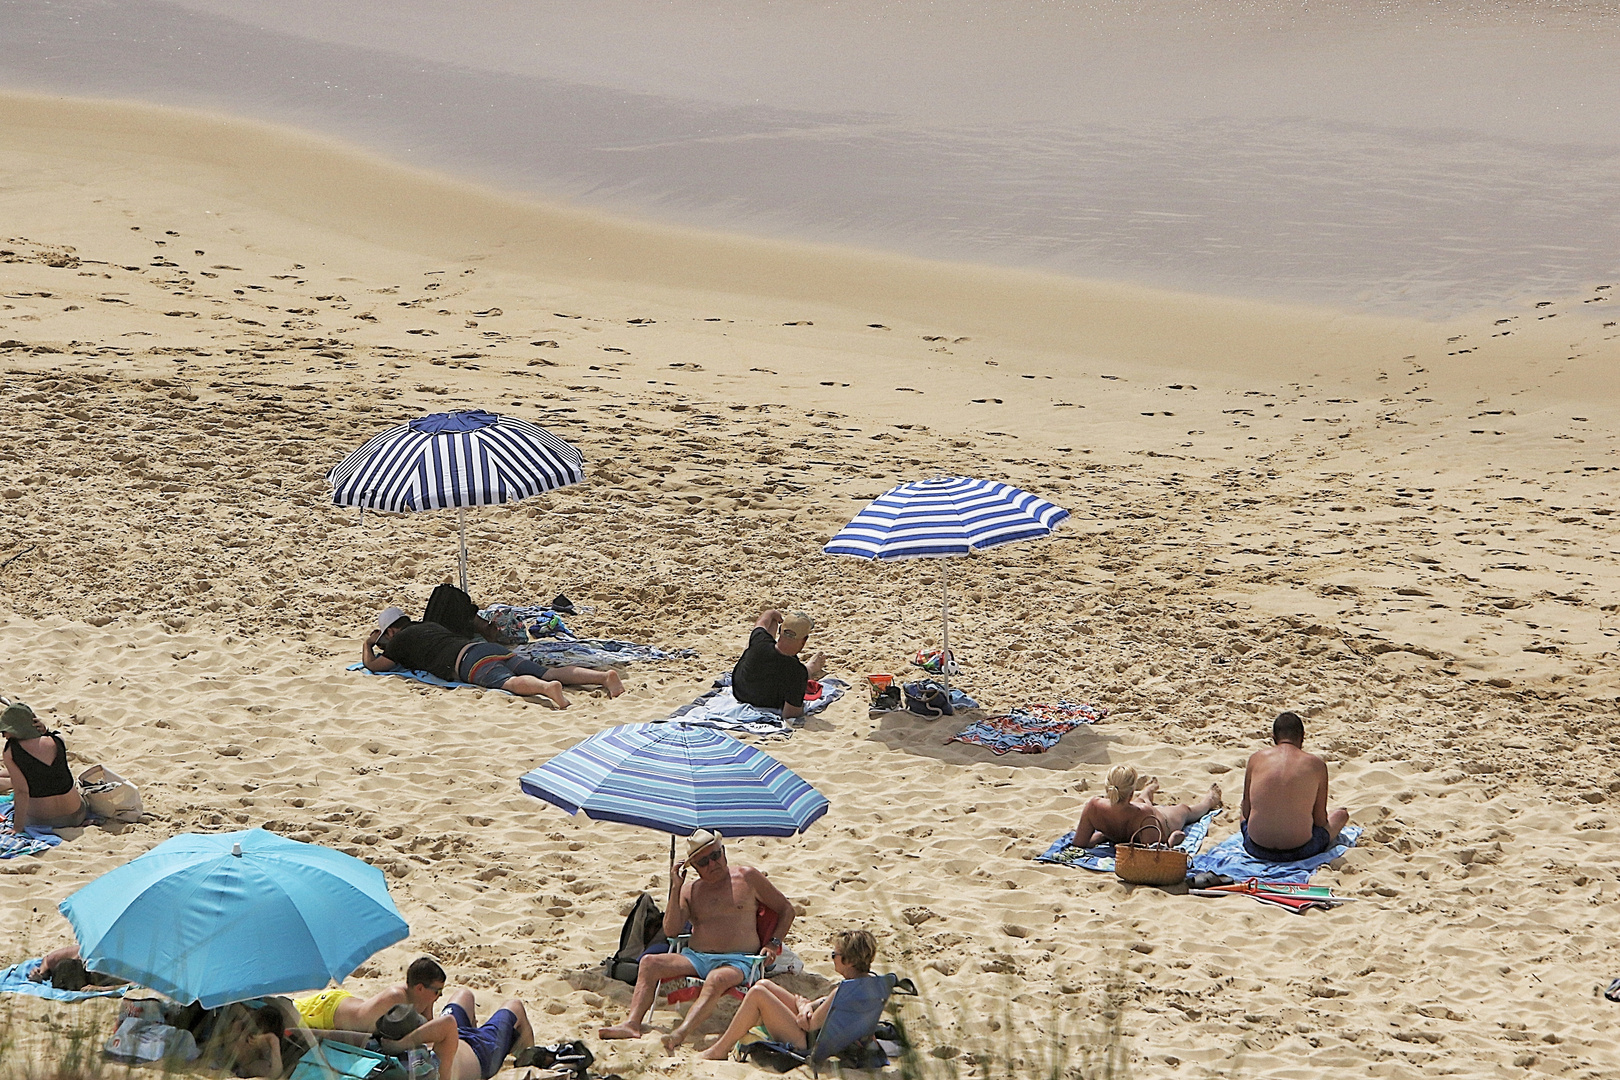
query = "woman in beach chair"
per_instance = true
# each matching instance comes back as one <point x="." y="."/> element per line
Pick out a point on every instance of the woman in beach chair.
<point x="789" y="1018"/>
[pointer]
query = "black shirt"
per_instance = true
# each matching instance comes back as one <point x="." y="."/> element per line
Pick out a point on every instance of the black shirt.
<point x="425" y="646"/>
<point x="767" y="678"/>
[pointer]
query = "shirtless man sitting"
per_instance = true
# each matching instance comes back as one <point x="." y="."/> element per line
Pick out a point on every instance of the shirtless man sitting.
<point x="722" y="906"/>
<point x="1123" y="811"/>
<point x="1285" y="790"/>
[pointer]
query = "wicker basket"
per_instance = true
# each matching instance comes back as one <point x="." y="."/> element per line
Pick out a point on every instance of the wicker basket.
<point x="1149" y="864"/>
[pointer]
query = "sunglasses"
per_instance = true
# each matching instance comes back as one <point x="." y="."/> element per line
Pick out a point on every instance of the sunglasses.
<point x="705" y="860"/>
<point x="837" y="955"/>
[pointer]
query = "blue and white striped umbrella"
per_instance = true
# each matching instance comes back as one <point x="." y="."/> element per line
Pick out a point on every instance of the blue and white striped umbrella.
<point x="456" y="459"/>
<point x="677" y="778"/>
<point x="948" y="516"/>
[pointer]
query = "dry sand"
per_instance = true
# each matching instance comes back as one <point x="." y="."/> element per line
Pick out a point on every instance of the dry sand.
<point x="1401" y="529"/>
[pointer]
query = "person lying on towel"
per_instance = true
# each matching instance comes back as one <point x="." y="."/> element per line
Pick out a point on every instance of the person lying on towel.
<point x="1285" y="794"/>
<point x="787" y="1016"/>
<point x="1122" y="812"/>
<point x="770" y="673"/>
<point x="64" y="970"/>
<point x="722" y="905"/>
<point x="424" y="646"/>
<point x="464" y="1048"/>
<point x="339" y="1010"/>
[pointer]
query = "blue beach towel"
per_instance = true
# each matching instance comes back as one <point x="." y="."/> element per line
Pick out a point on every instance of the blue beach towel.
<point x="31" y="842"/>
<point x="717" y="708"/>
<point x="14" y="980"/>
<point x="1229" y="858"/>
<point x="1101" y="857"/>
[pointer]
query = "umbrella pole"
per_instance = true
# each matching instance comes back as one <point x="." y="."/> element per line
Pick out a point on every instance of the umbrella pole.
<point x="461" y="523"/>
<point x="945" y="624"/>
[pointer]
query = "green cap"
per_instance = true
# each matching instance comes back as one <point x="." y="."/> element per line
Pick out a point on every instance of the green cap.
<point x="18" y="722"/>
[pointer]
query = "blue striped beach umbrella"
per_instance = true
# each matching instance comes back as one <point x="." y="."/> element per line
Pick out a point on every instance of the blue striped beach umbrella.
<point x="455" y="459"/>
<point x="941" y="518"/>
<point x="677" y="778"/>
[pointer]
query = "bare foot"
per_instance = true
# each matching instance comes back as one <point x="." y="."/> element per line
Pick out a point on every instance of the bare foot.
<point x="1150" y="790"/>
<point x="817" y="666"/>
<point x="551" y="690"/>
<point x="672" y="1042"/>
<point x="718" y="1052"/>
<point x="622" y="1031"/>
<point x="1214" y="796"/>
<point x="614" y="684"/>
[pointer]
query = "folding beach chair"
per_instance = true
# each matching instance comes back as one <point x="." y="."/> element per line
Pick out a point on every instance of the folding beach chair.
<point x="687" y="989"/>
<point x="848" y="1032"/>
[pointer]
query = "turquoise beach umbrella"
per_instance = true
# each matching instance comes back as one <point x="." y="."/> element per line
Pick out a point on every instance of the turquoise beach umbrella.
<point x="231" y="916"/>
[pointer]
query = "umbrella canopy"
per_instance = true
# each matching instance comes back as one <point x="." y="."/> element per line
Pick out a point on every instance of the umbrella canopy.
<point x="677" y="778"/>
<point x="949" y="516"/>
<point x="455" y="459"/>
<point x="232" y="916"/>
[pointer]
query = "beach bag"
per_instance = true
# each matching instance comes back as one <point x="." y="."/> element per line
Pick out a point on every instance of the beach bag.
<point x="775" y="1056"/>
<point x="138" y="1040"/>
<point x="109" y="796"/>
<point x="643" y="928"/>
<point x="928" y="698"/>
<point x="1149" y="864"/>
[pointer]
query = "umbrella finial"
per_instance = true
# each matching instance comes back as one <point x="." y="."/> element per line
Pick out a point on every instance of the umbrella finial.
<point x="236" y="849"/>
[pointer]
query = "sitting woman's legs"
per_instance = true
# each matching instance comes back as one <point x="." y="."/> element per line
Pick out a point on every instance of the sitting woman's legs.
<point x="770" y="1005"/>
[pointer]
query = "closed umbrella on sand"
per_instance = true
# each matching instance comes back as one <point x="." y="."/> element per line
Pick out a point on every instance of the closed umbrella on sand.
<point x="950" y="517"/>
<point x="232" y="916"/>
<point x="456" y="459"/>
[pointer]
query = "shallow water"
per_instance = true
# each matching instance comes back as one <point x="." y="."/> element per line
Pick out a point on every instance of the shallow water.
<point x="1410" y="158"/>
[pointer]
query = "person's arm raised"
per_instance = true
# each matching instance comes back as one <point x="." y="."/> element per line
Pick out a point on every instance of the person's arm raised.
<point x="770" y="619"/>
<point x="676" y="914"/>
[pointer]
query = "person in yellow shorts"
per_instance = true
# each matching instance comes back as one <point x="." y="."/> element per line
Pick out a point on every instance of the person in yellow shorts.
<point x="339" y="1010"/>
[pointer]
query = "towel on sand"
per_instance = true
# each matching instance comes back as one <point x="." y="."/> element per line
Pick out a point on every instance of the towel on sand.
<point x="1028" y="729"/>
<point x="1101" y="857"/>
<point x="14" y="980"/>
<point x="31" y="842"/>
<point x="717" y="708"/>
<point x="1229" y="858"/>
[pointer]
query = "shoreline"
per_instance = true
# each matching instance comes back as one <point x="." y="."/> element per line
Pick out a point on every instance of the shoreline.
<point x="1271" y="509"/>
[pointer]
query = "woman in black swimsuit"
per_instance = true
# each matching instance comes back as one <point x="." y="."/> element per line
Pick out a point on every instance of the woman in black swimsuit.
<point x="41" y="782"/>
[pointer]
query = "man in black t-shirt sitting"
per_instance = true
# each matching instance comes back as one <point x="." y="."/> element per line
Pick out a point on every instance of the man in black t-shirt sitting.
<point x="770" y="673"/>
<point x="455" y="657"/>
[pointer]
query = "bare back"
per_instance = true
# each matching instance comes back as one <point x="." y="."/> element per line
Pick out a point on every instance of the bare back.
<point x="1285" y="793"/>
<point x="1119" y="822"/>
<point x="723" y="912"/>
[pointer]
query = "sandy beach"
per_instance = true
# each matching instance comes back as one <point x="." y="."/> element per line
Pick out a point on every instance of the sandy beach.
<point x="1399" y="528"/>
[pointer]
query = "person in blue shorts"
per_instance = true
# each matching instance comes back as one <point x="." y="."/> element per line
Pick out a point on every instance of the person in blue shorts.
<point x="482" y="1048"/>
<point x="1285" y="816"/>
<point x="722" y="904"/>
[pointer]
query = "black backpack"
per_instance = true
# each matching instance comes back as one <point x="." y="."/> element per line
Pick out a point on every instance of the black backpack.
<point x="643" y="928"/>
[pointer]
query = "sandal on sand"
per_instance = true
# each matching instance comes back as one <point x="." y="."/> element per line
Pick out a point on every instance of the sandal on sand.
<point x="1613" y="992"/>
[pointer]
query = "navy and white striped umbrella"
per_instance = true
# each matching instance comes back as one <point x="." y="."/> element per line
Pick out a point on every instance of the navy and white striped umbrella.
<point x="677" y="778"/>
<point x="456" y="459"/>
<point x="948" y="516"/>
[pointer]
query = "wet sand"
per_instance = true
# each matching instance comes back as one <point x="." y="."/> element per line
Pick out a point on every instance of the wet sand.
<point x="1401" y="529"/>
